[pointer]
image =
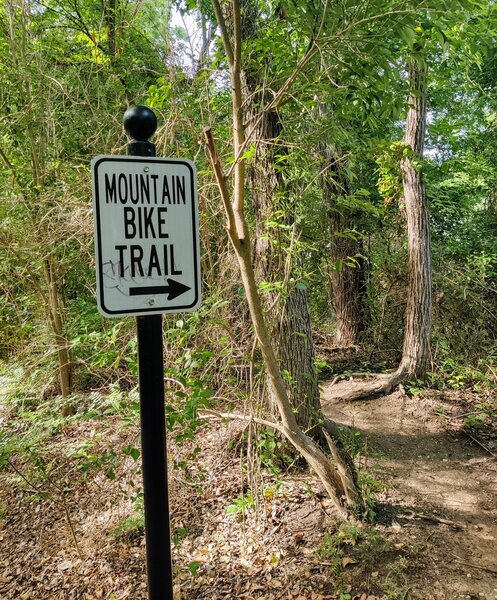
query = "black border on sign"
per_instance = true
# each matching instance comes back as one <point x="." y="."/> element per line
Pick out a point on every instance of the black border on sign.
<point x="154" y="309"/>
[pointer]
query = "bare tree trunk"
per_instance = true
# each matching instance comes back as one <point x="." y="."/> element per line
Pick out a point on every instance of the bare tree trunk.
<point x="54" y="312"/>
<point x="416" y="349"/>
<point x="347" y="282"/>
<point x="297" y="356"/>
<point x="336" y="476"/>
<point x="290" y="321"/>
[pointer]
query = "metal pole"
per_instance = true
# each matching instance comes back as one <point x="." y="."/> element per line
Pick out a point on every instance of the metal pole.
<point x="140" y="124"/>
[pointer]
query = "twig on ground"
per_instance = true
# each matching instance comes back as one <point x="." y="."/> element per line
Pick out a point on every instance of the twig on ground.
<point x="450" y="418"/>
<point x="440" y="520"/>
<point x="474" y="565"/>
<point x="481" y="445"/>
<point x="434" y="519"/>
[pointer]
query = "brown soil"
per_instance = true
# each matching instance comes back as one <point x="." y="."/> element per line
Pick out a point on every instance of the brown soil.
<point x="442" y="485"/>
<point x="435" y="537"/>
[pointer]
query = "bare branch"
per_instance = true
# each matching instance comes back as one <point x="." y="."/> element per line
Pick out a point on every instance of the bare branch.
<point x="224" y="32"/>
<point x="218" y="173"/>
<point x="210" y="414"/>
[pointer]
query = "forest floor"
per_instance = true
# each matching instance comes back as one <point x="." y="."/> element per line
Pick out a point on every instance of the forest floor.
<point x="69" y="528"/>
<point x="441" y="486"/>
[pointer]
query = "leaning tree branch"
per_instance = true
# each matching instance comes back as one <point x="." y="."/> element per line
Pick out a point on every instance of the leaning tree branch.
<point x="214" y="414"/>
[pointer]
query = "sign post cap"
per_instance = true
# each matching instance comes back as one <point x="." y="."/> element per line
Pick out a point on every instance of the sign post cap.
<point x="140" y="122"/>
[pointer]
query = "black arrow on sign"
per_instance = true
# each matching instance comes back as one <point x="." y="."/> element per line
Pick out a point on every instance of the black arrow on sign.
<point x="174" y="289"/>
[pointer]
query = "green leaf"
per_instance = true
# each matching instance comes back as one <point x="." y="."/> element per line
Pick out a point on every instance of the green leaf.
<point x="408" y="35"/>
<point x="193" y="567"/>
<point x="133" y="452"/>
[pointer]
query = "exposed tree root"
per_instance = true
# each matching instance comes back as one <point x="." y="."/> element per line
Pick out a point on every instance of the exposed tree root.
<point x="376" y="386"/>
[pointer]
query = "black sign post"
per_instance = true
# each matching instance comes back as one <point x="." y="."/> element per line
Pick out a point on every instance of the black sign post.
<point x="140" y="124"/>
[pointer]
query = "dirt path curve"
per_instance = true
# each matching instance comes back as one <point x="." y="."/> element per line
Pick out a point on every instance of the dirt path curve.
<point x="440" y="486"/>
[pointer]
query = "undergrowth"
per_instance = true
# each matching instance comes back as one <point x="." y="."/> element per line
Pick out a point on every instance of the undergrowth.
<point x="353" y="553"/>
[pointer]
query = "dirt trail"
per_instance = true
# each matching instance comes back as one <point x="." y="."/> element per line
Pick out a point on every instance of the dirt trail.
<point x="443" y="487"/>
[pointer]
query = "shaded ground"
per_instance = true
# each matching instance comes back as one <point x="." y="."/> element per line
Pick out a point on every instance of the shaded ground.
<point x="442" y="485"/>
<point x="437" y="513"/>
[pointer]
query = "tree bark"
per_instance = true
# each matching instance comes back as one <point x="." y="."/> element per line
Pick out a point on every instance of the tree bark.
<point x="109" y="10"/>
<point x="347" y="282"/>
<point x="416" y="348"/>
<point x="418" y="322"/>
<point x="290" y="322"/>
<point x="337" y="480"/>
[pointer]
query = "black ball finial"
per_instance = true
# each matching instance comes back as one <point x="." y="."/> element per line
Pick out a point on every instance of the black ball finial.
<point x="140" y="122"/>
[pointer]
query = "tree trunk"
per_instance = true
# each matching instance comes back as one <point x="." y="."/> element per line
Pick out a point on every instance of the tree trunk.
<point x="54" y="312"/>
<point x="297" y="357"/>
<point x="346" y="250"/>
<point x="109" y="9"/>
<point x="416" y="349"/>
<point x="290" y="322"/>
<point x="336" y="477"/>
<point x="347" y="283"/>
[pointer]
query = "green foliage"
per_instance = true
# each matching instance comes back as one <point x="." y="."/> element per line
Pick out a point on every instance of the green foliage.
<point x="369" y="487"/>
<point x="193" y="567"/>
<point x="336" y="546"/>
<point x="241" y="504"/>
<point x="484" y="412"/>
<point x="364" y="546"/>
<point x="367" y="483"/>
<point x="396" y="582"/>
<point x="91" y="461"/>
<point x="130" y="528"/>
<point x="179" y="534"/>
<point x="389" y="173"/>
<point x="182" y="408"/>
<point x="273" y="452"/>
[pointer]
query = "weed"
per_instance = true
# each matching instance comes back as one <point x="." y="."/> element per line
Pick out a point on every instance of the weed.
<point x="396" y="583"/>
<point x="484" y="411"/>
<point x="352" y="441"/>
<point x="372" y="546"/>
<point x="332" y="551"/>
<point x="131" y="527"/>
<point x="179" y="534"/>
<point x="475" y="421"/>
<point x="355" y="543"/>
<point x="193" y="567"/>
<point x="273" y="451"/>
<point x="440" y="410"/>
<point x="415" y="387"/>
<point x="334" y="548"/>
<point x="369" y="487"/>
<point x="241" y="504"/>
